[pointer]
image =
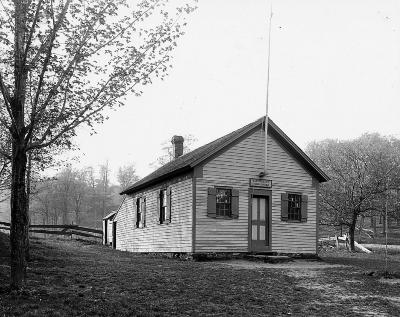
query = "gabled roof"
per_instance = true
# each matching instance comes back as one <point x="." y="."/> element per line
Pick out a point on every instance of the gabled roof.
<point x="188" y="161"/>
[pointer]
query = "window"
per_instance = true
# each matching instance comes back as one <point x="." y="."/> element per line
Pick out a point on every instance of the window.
<point x="223" y="202"/>
<point x="164" y="205"/>
<point x="294" y="207"/>
<point x="140" y="212"/>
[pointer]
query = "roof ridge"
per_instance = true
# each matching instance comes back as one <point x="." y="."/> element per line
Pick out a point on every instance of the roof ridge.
<point x="189" y="159"/>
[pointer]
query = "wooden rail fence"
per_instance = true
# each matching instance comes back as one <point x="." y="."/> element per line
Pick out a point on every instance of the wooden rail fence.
<point x="63" y="230"/>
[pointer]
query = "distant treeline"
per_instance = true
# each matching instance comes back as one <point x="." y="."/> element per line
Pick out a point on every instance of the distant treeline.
<point x="78" y="196"/>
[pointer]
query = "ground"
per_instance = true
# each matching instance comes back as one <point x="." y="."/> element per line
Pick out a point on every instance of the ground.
<point x="71" y="278"/>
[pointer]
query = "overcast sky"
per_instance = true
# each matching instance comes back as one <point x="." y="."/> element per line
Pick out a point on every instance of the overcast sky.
<point x="334" y="74"/>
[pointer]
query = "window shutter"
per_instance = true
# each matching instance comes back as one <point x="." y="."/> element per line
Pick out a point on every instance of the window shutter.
<point x="136" y="214"/>
<point x="284" y="207"/>
<point x="304" y="203"/>
<point x="211" y="202"/>
<point x="235" y="203"/>
<point x="144" y="212"/>
<point x="168" y="216"/>
<point x="159" y="206"/>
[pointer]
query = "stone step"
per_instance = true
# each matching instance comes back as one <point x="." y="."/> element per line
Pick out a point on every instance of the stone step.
<point x="269" y="258"/>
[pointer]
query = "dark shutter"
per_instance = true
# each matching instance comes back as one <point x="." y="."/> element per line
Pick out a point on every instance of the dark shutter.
<point x="144" y="212"/>
<point x="168" y="216"/>
<point x="211" y="202"/>
<point x="137" y="212"/>
<point x="114" y="235"/>
<point x="304" y="203"/>
<point x="284" y="207"/>
<point x="159" y="206"/>
<point x="235" y="203"/>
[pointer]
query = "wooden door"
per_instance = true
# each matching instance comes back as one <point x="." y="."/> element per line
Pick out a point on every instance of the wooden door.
<point x="105" y="224"/>
<point x="259" y="224"/>
<point x="114" y="235"/>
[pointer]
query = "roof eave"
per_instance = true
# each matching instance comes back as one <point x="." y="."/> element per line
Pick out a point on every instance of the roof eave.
<point x="110" y="215"/>
<point x="154" y="181"/>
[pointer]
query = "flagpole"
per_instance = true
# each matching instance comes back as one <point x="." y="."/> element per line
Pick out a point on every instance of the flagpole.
<point x="267" y="96"/>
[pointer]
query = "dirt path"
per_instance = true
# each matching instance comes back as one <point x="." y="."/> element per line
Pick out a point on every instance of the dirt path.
<point x="335" y="284"/>
<point x="295" y="265"/>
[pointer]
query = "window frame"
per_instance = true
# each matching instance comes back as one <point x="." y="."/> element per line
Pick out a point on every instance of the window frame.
<point x="299" y="208"/>
<point x="140" y="212"/>
<point x="224" y="215"/>
<point x="163" y="209"/>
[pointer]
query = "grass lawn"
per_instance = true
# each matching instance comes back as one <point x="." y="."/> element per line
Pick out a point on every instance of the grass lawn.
<point x="70" y="278"/>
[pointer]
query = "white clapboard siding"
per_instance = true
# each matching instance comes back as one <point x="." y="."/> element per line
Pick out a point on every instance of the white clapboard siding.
<point x="288" y="175"/>
<point x="233" y="168"/>
<point x="173" y="237"/>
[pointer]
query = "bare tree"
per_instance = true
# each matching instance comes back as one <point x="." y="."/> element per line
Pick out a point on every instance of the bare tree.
<point x="61" y="64"/>
<point x="71" y="196"/>
<point x="362" y="171"/>
<point x="104" y="184"/>
<point x="168" y="156"/>
<point x="127" y="175"/>
<point x="79" y="194"/>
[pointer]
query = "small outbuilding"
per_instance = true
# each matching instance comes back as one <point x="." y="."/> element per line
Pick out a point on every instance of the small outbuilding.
<point x="108" y="229"/>
<point x="222" y="198"/>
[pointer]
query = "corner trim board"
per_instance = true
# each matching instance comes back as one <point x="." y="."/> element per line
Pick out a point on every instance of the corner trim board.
<point x="317" y="215"/>
<point x="194" y="213"/>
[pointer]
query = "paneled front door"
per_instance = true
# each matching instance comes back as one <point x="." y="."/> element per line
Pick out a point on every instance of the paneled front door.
<point x="259" y="224"/>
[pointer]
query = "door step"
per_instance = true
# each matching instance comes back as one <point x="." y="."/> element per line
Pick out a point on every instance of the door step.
<point x="269" y="258"/>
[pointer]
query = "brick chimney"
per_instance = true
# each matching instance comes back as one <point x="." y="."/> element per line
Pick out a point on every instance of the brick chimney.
<point x="177" y="145"/>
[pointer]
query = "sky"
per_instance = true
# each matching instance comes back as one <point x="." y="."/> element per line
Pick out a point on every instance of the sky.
<point x="334" y="73"/>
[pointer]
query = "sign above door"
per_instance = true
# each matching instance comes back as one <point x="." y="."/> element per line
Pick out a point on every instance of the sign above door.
<point x="259" y="182"/>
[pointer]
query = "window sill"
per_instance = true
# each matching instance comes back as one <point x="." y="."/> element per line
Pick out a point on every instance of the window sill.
<point x="224" y="217"/>
<point x="293" y="221"/>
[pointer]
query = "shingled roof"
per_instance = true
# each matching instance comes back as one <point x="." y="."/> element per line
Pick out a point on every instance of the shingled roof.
<point x="188" y="161"/>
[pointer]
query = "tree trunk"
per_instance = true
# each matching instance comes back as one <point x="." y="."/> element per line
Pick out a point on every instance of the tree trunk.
<point x="352" y="230"/>
<point x="19" y="217"/>
<point x="28" y="194"/>
<point x="360" y="227"/>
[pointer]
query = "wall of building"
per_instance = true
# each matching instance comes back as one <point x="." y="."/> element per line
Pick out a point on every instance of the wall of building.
<point x="155" y="237"/>
<point x="233" y="168"/>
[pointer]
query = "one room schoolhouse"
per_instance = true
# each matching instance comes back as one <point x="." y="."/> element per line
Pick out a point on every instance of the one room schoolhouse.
<point x="218" y="198"/>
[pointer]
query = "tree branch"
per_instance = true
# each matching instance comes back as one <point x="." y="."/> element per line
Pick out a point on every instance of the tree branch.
<point x="32" y="30"/>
